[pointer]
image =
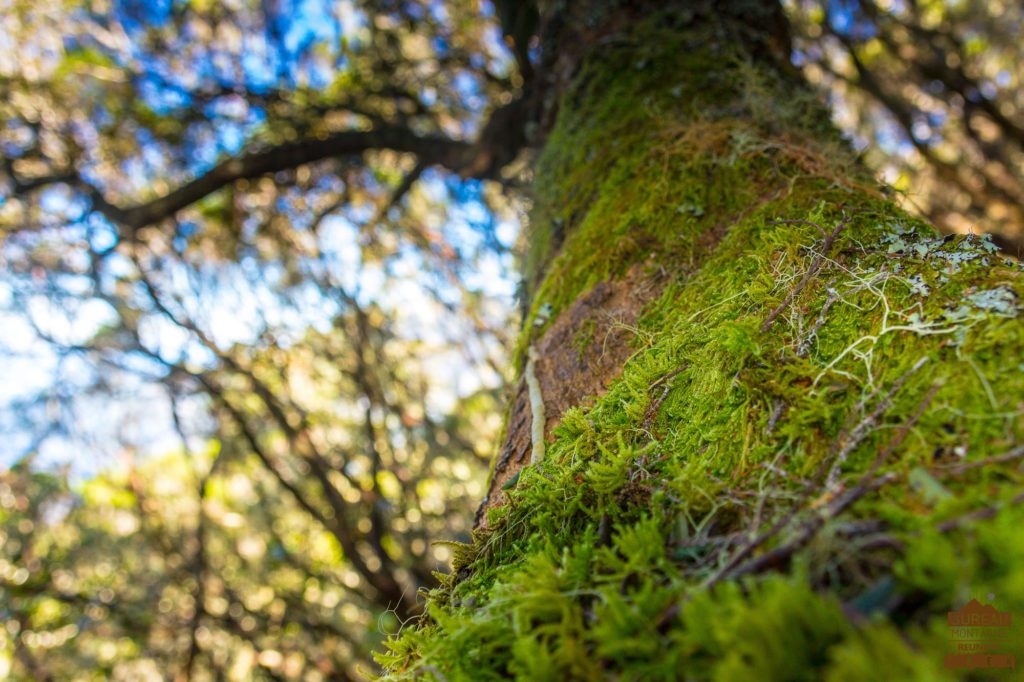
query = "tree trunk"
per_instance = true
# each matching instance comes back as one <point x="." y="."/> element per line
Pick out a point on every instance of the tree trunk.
<point x="782" y="419"/>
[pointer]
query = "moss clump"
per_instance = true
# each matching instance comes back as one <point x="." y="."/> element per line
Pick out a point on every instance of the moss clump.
<point x="834" y="465"/>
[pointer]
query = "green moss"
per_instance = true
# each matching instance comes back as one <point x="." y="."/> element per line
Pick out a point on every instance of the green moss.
<point x="658" y="147"/>
<point x="621" y="553"/>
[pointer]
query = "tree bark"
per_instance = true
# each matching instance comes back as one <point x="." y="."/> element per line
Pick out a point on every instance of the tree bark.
<point x="782" y="416"/>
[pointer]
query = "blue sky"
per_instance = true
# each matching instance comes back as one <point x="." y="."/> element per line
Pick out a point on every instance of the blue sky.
<point x="140" y="417"/>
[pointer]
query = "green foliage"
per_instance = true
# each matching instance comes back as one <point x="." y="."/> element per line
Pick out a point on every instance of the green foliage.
<point x="910" y="78"/>
<point x="103" y="577"/>
<point x="183" y="261"/>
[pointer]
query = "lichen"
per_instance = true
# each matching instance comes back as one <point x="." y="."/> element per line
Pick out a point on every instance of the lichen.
<point x="537" y="420"/>
<point x="682" y="525"/>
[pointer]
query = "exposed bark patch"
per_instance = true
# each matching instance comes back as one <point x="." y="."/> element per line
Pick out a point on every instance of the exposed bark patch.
<point x="573" y="372"/>
<point x="578" y="356"/>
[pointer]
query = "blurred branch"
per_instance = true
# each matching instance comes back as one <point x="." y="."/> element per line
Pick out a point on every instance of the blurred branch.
<point x="983" y="189"/>
<point x="498" y="142"/>
<point x="198" y="571"/>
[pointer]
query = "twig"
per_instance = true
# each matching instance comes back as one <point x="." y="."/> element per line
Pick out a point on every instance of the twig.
<point x="904" y="429"/>
<point x="749" y="548"/>
<point x="798" y="221"/>
<point x="812" y="333"/>
<point x="862" y="429"/>
<point x="785" y="474"/>
<point x="810" y="527"/>
<point x="961" y="467"/>
<point x="865" y="485"/>
<point x="652" y="409"/>
<point x="977" y="515"/>
<point x="816" y="263"/>
<point x="778" y="406"/>
<point x="832" y="299"/>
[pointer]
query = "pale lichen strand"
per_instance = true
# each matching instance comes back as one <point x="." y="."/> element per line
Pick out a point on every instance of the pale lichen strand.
<point x="537" y="419"/>
<point x="569" y="373"/>
<point x="690" y="533"/>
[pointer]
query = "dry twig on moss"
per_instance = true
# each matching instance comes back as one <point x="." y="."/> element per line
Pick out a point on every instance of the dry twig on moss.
<point x="816" y="263"/>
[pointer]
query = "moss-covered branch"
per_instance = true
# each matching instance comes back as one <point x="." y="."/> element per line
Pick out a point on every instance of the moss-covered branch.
<point x="811" y="454"/>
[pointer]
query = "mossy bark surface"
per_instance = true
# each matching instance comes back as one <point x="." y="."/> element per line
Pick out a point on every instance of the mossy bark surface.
<point x="810" y="452"/>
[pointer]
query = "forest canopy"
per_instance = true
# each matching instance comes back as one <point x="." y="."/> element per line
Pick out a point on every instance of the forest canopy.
<point x="260" y="290"/>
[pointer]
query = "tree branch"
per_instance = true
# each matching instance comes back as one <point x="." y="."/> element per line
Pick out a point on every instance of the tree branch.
<point x="500" y="140"/>
<point x="431" y="149"/>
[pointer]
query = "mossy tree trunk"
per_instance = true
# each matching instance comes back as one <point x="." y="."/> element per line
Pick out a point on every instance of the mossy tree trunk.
<point x="783" y="418"/>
